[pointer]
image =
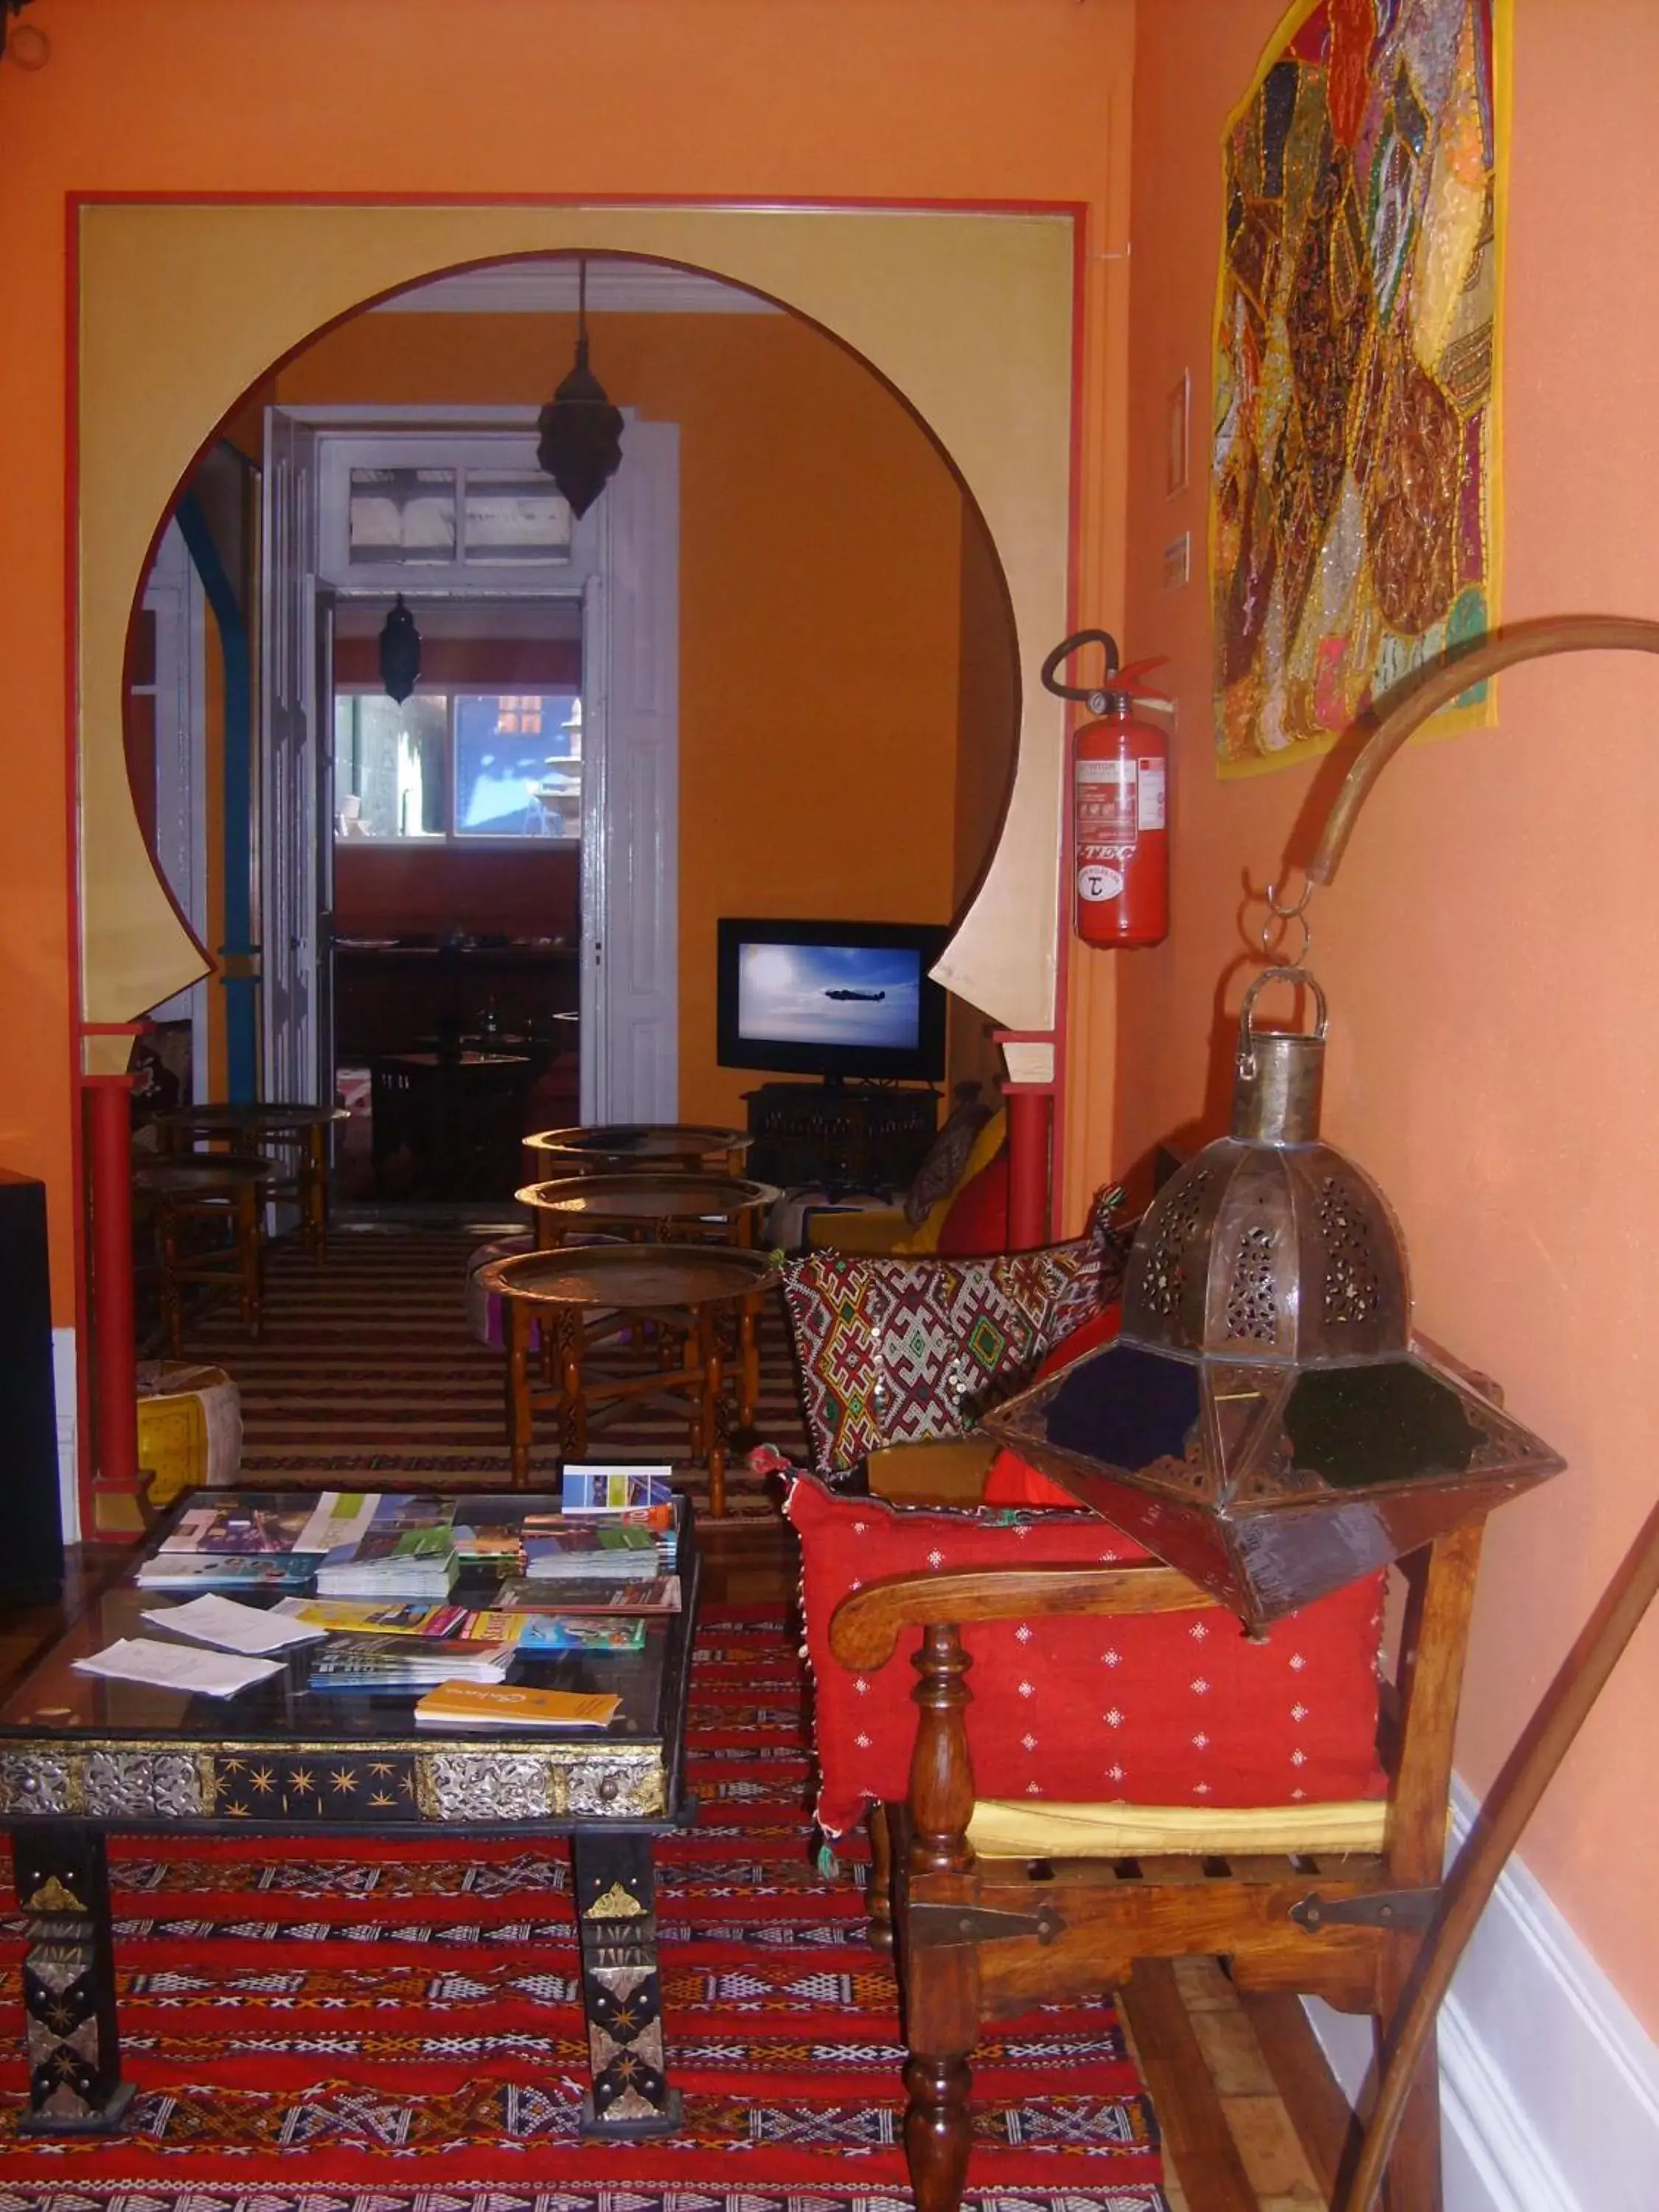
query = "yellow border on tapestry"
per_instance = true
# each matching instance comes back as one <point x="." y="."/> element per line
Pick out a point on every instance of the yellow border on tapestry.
<point x="1452" y="721"/>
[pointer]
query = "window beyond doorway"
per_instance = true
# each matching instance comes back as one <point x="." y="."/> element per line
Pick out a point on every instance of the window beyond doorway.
<point x="457" y="765"/>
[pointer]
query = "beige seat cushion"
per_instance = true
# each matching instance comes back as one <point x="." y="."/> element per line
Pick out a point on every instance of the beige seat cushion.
<point x="1021" y="1828"/>
<point x="943" y="1474"/>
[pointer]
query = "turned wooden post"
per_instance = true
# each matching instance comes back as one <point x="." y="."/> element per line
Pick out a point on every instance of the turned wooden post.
<point x="942" y="1980"/>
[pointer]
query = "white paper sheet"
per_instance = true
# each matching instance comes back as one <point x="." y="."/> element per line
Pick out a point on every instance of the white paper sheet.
<point x="177" y="1667"/>
<point x="340" y="1517"/>
<point x="214" y="1620"/>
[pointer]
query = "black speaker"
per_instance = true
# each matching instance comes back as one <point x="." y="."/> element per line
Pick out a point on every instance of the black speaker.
<point x="31" y="1525"/>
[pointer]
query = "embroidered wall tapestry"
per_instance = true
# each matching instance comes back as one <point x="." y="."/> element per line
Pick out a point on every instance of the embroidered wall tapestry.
<point x="1353" y="530"/>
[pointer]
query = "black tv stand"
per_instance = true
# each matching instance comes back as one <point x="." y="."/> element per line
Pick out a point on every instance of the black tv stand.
<point x="845" y="1136"/>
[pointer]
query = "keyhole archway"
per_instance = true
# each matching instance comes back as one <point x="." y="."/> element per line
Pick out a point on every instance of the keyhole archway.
<point x="969" y="317"/>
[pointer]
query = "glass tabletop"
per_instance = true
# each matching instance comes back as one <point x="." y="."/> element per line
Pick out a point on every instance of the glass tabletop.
<point x="640" y="1141"/>
<point x="663" y="1195"/>
<point x="55" y="1700"/>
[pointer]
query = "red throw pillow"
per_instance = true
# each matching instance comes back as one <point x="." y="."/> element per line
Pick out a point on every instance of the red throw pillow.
<point x="978" y="1220"/>
<point x="1014" y="1481"/>
<point x="1148" y="1708"/>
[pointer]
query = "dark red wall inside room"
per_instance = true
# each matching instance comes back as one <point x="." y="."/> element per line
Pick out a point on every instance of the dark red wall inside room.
<point x="388" y="891"/>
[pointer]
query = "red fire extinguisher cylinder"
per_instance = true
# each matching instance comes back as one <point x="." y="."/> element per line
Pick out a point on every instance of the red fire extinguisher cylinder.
<point x="1120" y="830"/>
<point x="1119" y="793"/>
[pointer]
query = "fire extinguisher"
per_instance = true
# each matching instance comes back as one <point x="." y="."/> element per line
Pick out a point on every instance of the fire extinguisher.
<point x="1120" y="804"/>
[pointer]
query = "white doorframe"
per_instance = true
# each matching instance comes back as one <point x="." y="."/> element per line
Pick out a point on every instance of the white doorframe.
<point x="628" y="983"/>
<point x="173" y="595"/>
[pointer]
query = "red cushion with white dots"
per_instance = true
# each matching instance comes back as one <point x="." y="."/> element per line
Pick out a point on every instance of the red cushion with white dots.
<point x="1154" y="1709"/>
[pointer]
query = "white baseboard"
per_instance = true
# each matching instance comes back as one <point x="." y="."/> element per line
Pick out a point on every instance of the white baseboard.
<point x="67" y="1400"/>
<point x="1549" y="2085"/>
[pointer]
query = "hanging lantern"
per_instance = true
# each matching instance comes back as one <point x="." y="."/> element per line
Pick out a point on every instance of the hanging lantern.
<point x="581" y="441"/>
<point x="400" y="653"/>
<point x="1266" y="1421"/>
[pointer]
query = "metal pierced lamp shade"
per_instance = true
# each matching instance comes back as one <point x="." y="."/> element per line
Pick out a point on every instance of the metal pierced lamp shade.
<point x="1266" y="1421"/>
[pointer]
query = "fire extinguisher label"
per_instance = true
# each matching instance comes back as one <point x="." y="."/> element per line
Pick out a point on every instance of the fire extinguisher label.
<point x="1150" y="784"/>
<point x="1095" y="884"/>
<point x="1106" y="806"/>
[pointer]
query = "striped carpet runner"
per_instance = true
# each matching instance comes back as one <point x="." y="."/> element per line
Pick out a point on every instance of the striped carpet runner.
<point x="367" y="1367"/>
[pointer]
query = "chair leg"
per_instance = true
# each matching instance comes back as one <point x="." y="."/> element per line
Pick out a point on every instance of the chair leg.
<point x="748" y="1360"/>
<point x="314" y="1191"/>
<point x="1412" y="2182"/>
<point x="880" y="1930"/>
<point x="936" y="2129"/>
<point x="518" y="1391"/>
<point x="167" y="1261"/>
<point x="574" y="1411"/>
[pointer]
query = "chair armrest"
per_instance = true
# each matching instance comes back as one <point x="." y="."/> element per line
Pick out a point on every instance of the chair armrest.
<point x="866" y="1627"/>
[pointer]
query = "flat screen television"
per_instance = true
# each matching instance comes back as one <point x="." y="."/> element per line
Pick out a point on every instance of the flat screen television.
<point x="846" y="1000"/>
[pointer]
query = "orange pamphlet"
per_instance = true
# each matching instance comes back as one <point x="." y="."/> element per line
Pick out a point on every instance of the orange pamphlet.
<point x="512" y="1705"/>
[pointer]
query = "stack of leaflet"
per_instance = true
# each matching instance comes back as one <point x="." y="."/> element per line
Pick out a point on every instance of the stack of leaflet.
<point x="404" y="1548"/>
<point x="615" y="1525"/>
<point x="370" y="1664"/>
<point x="241" y="1544"/>
<point x="589" y="1597"/>
<point x="529" y="1631"/>
<point x="558" y="1550"/>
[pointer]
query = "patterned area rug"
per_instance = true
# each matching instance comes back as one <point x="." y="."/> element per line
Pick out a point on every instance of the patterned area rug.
<point x="365" y="1368"/>
<point x="348" y="2026"/>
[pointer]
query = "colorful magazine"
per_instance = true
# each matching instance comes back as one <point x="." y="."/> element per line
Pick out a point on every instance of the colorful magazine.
<point x="208" y="1571"/>
<point x="590" y="1489"/>
<point x="238" y="1530"/>
<point x="581" y="1594"/>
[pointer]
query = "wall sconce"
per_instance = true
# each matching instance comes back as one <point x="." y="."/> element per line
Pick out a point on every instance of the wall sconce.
<point x="400" y="653"/>
<point x="581" y="442"/>
<point x="29" y="47"/>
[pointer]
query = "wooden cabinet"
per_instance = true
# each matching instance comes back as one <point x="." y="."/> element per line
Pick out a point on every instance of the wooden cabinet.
<point x="852" y="1137"/>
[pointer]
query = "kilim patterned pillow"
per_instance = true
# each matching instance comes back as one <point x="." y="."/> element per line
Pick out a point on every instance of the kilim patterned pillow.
<point x="896" y="1351"/>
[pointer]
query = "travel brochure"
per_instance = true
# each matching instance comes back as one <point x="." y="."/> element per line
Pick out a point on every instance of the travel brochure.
<point x="530" y="1631"/>
<point x="363" y="1583"/>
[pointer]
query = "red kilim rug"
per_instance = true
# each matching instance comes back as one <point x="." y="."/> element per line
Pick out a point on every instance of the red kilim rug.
<point x="348" y="2026"/>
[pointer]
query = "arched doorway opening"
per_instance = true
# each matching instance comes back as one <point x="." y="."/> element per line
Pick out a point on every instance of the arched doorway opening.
<point x="1009" y="958"/>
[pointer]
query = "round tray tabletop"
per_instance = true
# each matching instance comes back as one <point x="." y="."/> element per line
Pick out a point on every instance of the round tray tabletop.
<point x="269" y="1118"/>
<point x="663" y="1196"/>
<point x="636" y="1277"/>
<point x="621" y="1143"/>
<point x="204" y="1173"/>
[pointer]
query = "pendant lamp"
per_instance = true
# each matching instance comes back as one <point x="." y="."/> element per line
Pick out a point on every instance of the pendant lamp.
<point x="581" y="441"/>
<point x="400" y="653"/>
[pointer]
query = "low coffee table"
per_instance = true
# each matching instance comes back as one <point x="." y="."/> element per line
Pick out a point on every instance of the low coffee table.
<point x="665" y="1206"/>
<point x="618" y="1147"/>
<point x="579" y="1294"/>
<point x="81" y="1757"/>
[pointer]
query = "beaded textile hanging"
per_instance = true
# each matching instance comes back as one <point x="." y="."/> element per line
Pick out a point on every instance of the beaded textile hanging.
<point x="1353" y="526"/>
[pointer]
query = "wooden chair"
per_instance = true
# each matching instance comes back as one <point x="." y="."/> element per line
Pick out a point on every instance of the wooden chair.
<point x="209" y="1212"/>
<point x="977" y="1937"/>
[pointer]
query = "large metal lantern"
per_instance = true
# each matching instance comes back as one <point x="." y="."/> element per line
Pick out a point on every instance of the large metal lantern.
<point x="1266" y="1421"/>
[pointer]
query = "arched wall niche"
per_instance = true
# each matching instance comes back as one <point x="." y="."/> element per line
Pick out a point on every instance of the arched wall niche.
<point x="970" y="316"/>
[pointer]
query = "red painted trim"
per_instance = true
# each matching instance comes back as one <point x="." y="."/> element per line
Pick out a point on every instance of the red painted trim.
<point x="1031" y="1135"/>
<point x="83" y="1453"/>
<point x="1063" y="879"/>
<point x="116" y="1398"/>
<point x="705" y="202"/>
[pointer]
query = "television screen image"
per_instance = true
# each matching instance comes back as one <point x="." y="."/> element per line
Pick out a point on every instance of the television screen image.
<point x="840" y="999"/>
<point x="845" y="994"/>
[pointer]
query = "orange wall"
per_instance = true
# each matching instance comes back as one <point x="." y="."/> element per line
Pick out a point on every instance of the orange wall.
<point x="820" y="560"/>
<point x="1490" y="946"/>
<point x="920" y="99"/>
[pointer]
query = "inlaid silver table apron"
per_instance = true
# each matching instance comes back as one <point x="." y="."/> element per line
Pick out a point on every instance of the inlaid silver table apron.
<point x="81" y="1757"/>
